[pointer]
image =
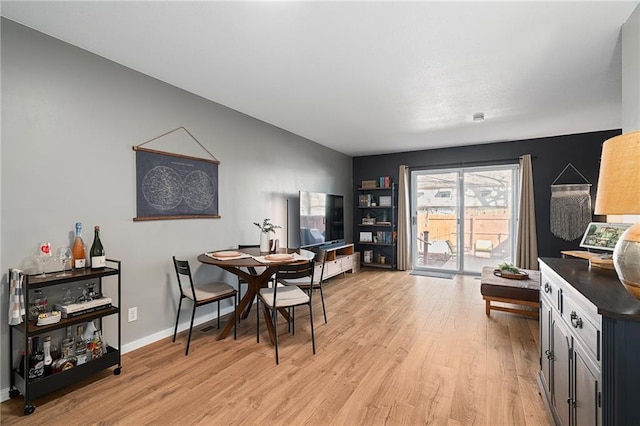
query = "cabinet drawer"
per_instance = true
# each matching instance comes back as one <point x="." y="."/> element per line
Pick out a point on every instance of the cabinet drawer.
<point x="551" y="288"/>
<point x="582" y="326"/>
<point x="347" y="262"/>
<point x="333" y="267"/>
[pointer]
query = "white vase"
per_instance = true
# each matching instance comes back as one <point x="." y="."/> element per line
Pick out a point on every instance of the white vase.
<point x="265" y="245"/>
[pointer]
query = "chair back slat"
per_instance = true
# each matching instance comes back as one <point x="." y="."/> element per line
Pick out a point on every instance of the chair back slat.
<point x="183" y="271"/>
<point x="292" y="271"/>
<point x="297" y="270"/>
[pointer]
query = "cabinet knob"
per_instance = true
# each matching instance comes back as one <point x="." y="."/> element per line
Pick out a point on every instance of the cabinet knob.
<point x="576" y="321"/>
<point x="549" y="354"/>
<point x="571" y="402"/>
<point x="547" y="288"/>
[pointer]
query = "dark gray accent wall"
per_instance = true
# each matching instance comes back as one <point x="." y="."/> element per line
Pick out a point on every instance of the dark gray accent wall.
<point x="550" y="156"/>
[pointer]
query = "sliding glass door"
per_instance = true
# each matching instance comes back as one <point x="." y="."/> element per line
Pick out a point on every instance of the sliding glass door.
<point x="464" y="218"/>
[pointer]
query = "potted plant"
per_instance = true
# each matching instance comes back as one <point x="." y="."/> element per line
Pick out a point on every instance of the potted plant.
<point x="265" y="228"/>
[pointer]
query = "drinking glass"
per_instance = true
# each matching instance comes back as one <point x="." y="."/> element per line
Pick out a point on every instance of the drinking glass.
<point x="85" y="295"/>
<point x="43" y="255"/>
<point x="68" y="298"/>
<point x="63" y="255"/>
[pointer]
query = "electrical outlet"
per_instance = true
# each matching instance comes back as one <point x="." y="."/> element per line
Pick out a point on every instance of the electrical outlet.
<point x="133" y="314"/>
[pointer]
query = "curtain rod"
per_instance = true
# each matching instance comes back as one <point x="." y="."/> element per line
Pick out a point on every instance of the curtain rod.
<point x="472" y="163"/>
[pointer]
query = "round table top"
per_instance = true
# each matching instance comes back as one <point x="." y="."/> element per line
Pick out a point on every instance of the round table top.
<point x="245" y="261"/>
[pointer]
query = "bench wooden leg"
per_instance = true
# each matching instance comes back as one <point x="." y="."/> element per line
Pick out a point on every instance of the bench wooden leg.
<point x="529" y="313"/>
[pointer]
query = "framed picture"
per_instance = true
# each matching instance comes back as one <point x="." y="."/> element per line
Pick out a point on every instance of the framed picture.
<point x="385" y="200"/>
<point x="366" y="237"/>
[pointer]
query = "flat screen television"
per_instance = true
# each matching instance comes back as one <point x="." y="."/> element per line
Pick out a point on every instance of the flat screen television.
<point x="321" y="219"/>
<point x="603" y="236"/>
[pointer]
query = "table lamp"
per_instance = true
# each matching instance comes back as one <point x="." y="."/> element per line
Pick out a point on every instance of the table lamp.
<point x="619" y="194"/>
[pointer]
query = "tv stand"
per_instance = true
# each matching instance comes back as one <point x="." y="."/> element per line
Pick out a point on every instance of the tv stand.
<point x="339" y="259"/>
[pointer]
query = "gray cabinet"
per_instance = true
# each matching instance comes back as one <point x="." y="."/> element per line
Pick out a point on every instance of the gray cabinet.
<point x="589" y="332"/>
<point x="560" y="381"/>
<point x="586" y="397"/>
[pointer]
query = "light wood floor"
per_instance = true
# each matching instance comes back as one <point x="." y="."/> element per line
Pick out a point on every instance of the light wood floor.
<point x="398" y="350"/>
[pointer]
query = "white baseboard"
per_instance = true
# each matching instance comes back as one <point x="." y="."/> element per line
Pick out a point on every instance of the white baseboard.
<point x="137" y="344"/>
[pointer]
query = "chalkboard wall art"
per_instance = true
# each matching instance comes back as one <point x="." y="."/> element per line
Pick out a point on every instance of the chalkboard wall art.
<point x="174" y="186"/>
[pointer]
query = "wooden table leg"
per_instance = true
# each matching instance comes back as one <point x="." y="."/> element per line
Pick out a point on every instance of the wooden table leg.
<point x="255" y="283"/>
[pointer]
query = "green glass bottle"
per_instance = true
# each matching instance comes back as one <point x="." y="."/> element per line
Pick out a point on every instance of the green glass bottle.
<point x="98" y="258"/>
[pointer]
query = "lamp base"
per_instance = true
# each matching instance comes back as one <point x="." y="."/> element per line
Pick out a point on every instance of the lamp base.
<point x="626" y="259"/>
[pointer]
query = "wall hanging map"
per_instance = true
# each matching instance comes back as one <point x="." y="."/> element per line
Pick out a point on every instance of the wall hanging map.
<point x="175" y="186"/>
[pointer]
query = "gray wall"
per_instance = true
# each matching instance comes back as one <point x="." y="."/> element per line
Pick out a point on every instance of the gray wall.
<point x="631" y="72"/>
<point x="69" y="121"/>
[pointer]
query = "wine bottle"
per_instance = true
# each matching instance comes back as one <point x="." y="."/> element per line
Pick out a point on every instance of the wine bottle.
<point x="78" y="251"/>
<point x="36" y="360"/>
<point x="98" y="258"/>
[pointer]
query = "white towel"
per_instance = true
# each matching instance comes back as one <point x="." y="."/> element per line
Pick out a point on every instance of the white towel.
<point x="16" y="298"/>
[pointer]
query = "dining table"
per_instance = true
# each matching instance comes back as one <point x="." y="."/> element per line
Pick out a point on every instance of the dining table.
<point x="243" y="263"/>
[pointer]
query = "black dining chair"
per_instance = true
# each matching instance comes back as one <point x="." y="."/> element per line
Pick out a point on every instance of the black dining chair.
<point x="286" y="296"/>
<point x="200" y="295"/>
<point x="306" y="284"/>
<point x="255" y="270"/>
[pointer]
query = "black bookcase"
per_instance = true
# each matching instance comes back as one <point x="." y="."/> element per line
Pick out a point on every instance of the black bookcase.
<point x="376" y="230"/>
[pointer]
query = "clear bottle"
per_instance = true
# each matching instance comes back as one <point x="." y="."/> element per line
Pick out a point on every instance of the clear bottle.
<point x="95" y="346"/>
<point x="78" y="250"/>
<point x="81" y="347"/>
<point x="36" y="360"/>
<point x="97" y="254"/>
<point x="67" y="358"/>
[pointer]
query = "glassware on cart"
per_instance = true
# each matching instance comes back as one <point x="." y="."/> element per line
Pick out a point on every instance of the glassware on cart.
<point x="63" y="255"/>
<point x="38" y="304"/>
<point x="67" y="299"/>
<point x="91" y="291"/>
<point x="43" y="255"/>
<point x="85" y="295"/>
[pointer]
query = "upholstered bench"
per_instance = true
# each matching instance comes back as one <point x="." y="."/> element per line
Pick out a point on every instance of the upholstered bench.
<point x="525" y="292"/>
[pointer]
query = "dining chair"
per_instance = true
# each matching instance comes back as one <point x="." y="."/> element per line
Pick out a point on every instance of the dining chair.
<point x="287" y="297"/>
<point x="201" y="295"/>
<point x="304" y="283"/>
<point x="255" y="270"/>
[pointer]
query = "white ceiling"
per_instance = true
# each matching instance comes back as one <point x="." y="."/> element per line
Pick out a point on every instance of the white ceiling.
<point x="369" y="77"/>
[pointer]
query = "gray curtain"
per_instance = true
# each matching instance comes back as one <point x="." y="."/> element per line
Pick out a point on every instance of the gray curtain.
<point x="527" y="242"/>
<point x="404" y="221"/>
